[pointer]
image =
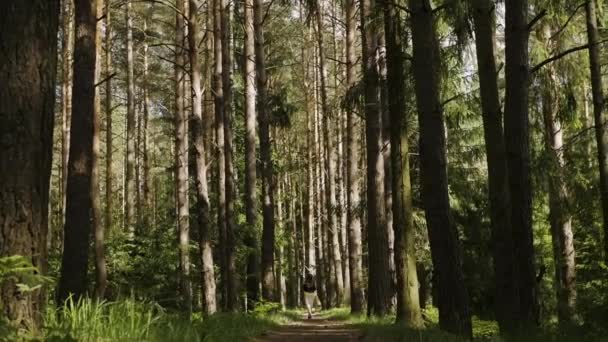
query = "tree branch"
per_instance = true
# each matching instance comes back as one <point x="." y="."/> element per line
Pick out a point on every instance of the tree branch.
<point x="561" y="55"/>
<point x="105" y="80"/>
<point x="563" y="27"/>
<point x="538" y="17"/>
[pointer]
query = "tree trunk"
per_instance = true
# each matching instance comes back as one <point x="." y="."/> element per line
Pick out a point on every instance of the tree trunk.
<point x="379" y="287"/>
<point x="101" y="273"/>
<point x="74" y="262"/>
<point x="181" y="164"/>
<point x="352" y="165"/>
<point x="66" y="96"/>
<point x="523" y="315"/>
<point x="454" y="315"/>
<point x="249" y="75"/>
<point x="268" y="238"/>
<point x="336" y="262"/>
<point x="408" y="305"/>
<point x="559" y="216"/>
<point x="601" y="135"/>
<point x="130" y="185"/>
<point x="280" y="226"/>
<point x="320" y="251"/>
<point x="230" y="186"/>
<point x="145" y="148"/>
<point x="220" y="141"/>
<point x="28" y="31"/>
<point x="108" y="110"/>
<point x="485" y="41"/>
<point x="202" y="193"/>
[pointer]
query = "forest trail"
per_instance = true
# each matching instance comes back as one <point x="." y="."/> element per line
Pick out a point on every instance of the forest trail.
<point x="315" y="329"/>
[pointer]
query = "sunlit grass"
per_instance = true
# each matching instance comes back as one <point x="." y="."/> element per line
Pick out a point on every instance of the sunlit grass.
<point x="131" y="320"/>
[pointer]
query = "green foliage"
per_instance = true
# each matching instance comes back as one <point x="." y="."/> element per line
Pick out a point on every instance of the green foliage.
<point x="132" y="320"/>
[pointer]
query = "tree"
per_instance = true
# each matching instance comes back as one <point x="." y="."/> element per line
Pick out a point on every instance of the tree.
<point x="230" y="186"/>
<point x="408" y="306"/>
<point x="130" y="185"/>
<point x="522" y="314"/>
<point x="101" y="272"/>
<point x="454" y="315"/>
<point x="559" y="216"/>
<point x="181" y="163"/>
<point x="202" y="193"/>
<point x="601" y="134"/>
<point x="67" y="50"/>
<point x="379" y="287"/>
<point x="28" y="31"/>
<point x="484" y="19"/>
<point x="249" y="75"/>
<point x="108" y="112"/>
<point x="336" y="262"/>
<point x="77" y="231"/>
<point x="268" y="238"/>
<point x="352" y="166"/>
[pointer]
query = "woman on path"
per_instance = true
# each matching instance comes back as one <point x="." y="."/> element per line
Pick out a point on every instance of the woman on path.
<point x="310" y="293"/>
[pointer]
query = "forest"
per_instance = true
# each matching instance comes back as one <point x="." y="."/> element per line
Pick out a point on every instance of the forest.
<point x="186" y="170"/>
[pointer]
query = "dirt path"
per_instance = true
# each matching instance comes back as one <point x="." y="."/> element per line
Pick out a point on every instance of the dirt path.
<point x="312" y="330"/>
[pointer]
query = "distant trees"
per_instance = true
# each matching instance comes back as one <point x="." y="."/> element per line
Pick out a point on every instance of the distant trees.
<point x="28" y="31"/>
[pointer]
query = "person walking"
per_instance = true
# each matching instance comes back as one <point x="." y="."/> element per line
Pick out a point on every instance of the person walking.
<point x="310" y="292"/>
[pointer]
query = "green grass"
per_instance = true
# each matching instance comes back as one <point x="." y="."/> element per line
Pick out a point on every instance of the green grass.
<point x="130" y="320"/>
<point x="385" y="329"/>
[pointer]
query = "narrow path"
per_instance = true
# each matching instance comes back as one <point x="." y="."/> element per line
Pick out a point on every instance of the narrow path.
<point x="312" y="330"/>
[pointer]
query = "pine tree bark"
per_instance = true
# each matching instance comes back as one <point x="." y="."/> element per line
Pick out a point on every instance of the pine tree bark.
<point x="181" y="163"/>
<point x="454" y="315"/>
<point x="353" y="184"/>
<point x="108" y="111"/>
<point x="230" y="186"/>
<point x="484" y="19"/>
<point x="268" y="238"/>
<point x="28" y="66"/>
<point x="379" y="287"/>
<point x="559" y="216"/>
<point x="208" y="288"/>
<point x="333" y="232"/>
<point x="130" y="185"/>
<point x="523" y="314"/>
<point x="74" y="262"/>
<point x="101" y="273"/>
<point x="601" y="134"/>
<point x="408" y="306"/>
<point x="218" y="85"/>
<point x="249" y="75"/>
<point x="66" y="96"/>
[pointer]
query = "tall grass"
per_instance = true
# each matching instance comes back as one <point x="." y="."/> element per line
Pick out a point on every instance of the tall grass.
<point x="132" y="320"/>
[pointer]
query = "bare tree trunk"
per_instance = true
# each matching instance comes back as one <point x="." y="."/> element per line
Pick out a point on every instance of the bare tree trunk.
<point x="28" y="31"/>
<point x="379" y="287"/>
<point x="101" y="273"/>
<point x="74" y="262"/>
<point x="181" y="164"/>
<point x="251" y="242"/>
<point x="230" y="186"/>
<point x="352" y="165"/>
<point x="408" y="305"/>
<point x="66" y="97"/>
<point x="485" y="40"/>
<point x="559" y="216"/>
<point x="280" y="226"/>
<point x="108" y="109"/>
<point x="524" y="311"/>
<point x="208" y="289"/>
<point x="130" y="185"/>
<point x="268" y="238"/>
<point x="146" y="177"/>
<point x="320" y="252"/>
<point x="336" y="263"/>
<point x="454" y="315"/>
<point x="601" y="134"/>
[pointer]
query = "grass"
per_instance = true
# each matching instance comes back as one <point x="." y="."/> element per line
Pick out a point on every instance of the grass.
<point x="131" y="320"/>
<point x="385" y="329"/>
